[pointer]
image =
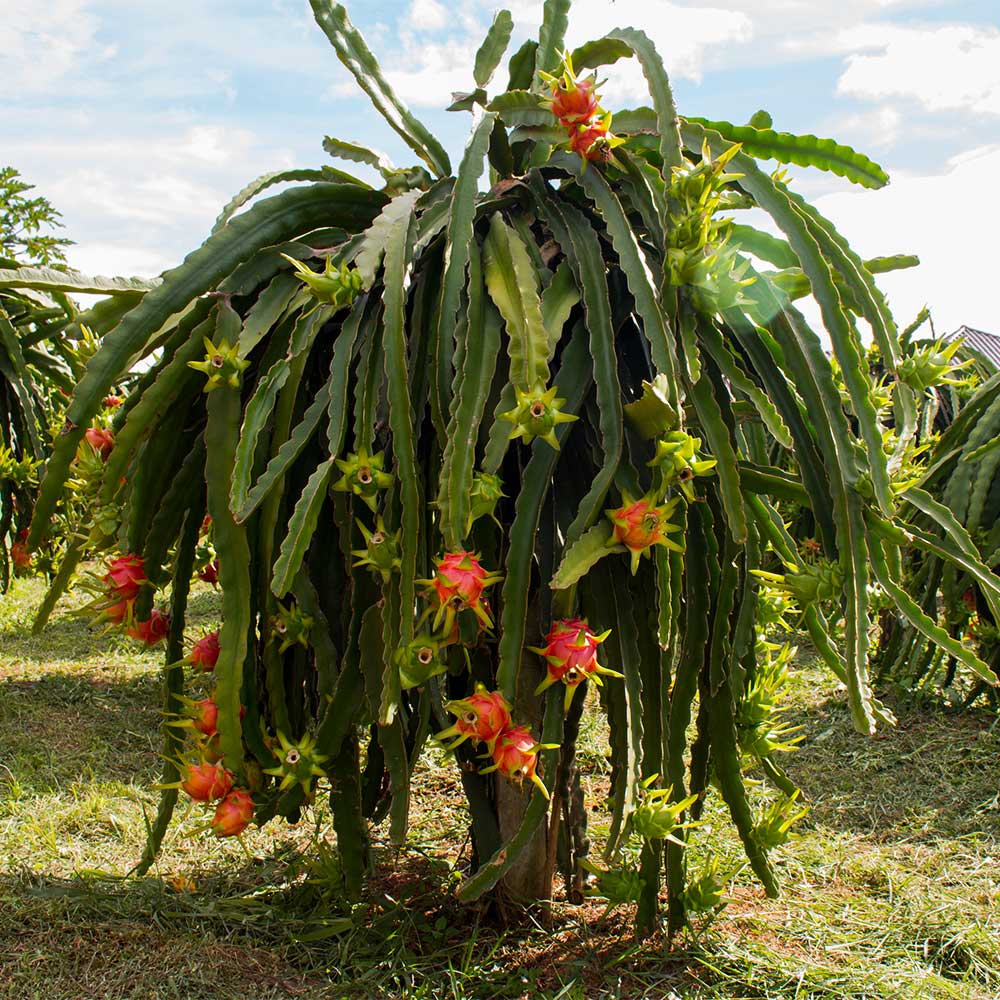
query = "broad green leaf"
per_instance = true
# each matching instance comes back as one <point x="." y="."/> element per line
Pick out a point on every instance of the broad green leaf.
<point x="344" y="150"/>
<point x="273" y="220"/>
<point x="380" y="232"/>
<point x="47" y="279"/>
<point x="494" y="45"/>
<point x="592" y="546"/>
<point x="802" y="150"/>
<point x="357" y="57"/>
<point x="659" y="90"/>
<point x="513" y="286"/>
<point x="301" y="527"/>
<point x="552" y="35"/>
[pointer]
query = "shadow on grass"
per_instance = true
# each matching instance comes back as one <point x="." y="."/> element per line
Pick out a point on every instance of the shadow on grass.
<point x="932" y="777"/>
<point x="66" y="728"/>
<point x="282" y="922"/>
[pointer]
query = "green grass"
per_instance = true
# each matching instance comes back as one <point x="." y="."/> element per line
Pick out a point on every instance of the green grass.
<point x="890" y="889"/>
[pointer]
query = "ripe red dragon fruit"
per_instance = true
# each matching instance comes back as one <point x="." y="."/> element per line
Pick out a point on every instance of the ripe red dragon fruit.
<point x="101" y="440"/>
<point x="458" y="584"/>
<point x="205" y="653"/>
<point x="205" y="717"/>
<point x="111" y="402"/>
<point x="515" y="756"/>
<point x="117" y="613"/>
<point x="571" y="656"/>
<point x="209" y="573"/>
<point x="482" y="716"/>
<point x="153" y="630"/>
<point x="233" y="814"/>
<point x="19" y="554"/>
<point x="125" y="577"/>
<point x="207" y="782"/>
<point x="640" y="524"/>
<point x="574" y="101"/>
<point x="591" y="140"/>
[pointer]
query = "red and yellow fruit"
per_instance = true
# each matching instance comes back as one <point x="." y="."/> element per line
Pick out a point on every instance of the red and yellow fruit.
<point x="233" y="814"/>
<point x="207" y="782"/>
<point x="570" y="653"/>
<point x="481" y="717"/>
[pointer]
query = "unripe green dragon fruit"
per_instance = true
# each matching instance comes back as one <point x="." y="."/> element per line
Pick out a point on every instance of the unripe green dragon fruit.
<point x="381" y="550"/>
<point x="656" y="817"/>
<point x="679" y="462"/>
<point x="290" y="626"/>
<point x="336" y="286"/>
<point x="363" y="476"/>
<point x="537" y="414"/>
<point x="222" y="365"/>
<point x="299" y="763"/>
<point x="418" y="662"/>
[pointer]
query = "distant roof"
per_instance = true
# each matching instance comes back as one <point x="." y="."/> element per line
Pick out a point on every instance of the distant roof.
<point x="986" y="344"/>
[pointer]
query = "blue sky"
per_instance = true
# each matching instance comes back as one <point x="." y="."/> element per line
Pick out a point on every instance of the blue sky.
<point x="139" y="119"/>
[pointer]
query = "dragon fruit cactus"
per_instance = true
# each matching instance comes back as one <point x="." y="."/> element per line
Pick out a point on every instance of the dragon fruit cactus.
<point x="458" y="585"/>
<point x="570" y="652"/>
<point x="233" y="814"/>
<point x="515" y="756"/>
<point x="207" y="782"/>
<point x="641" y="524"/>
<point x="205" y="653"/>
<point x="481" y="717"/>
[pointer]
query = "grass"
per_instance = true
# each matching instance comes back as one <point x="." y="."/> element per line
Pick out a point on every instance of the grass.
<point x="890" y="888"/>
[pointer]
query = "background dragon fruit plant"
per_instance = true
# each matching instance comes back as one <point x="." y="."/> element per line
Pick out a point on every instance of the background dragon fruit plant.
<point x="476" y="437"/>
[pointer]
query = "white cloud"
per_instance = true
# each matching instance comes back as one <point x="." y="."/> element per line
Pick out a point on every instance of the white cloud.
<point x="107" y="259"/>
<point x="949" y="68"/>
<point x="684" y="36"/>
<point x="939" y="217"/>
<point x="42" y="42"/>
<point x="427" y="15"/>
<point x="872" y="129"/>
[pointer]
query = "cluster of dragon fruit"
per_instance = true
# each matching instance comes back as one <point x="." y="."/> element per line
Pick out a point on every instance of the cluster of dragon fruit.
<point x="576" y="105"/>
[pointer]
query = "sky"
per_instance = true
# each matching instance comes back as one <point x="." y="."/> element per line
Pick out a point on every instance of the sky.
<point x="139" y="119"/>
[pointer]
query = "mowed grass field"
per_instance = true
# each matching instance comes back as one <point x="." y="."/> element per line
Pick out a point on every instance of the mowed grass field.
<point x="890" y="889"/>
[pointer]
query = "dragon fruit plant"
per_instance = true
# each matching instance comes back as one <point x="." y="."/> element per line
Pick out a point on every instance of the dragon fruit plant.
<point x="474" y="437"/>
